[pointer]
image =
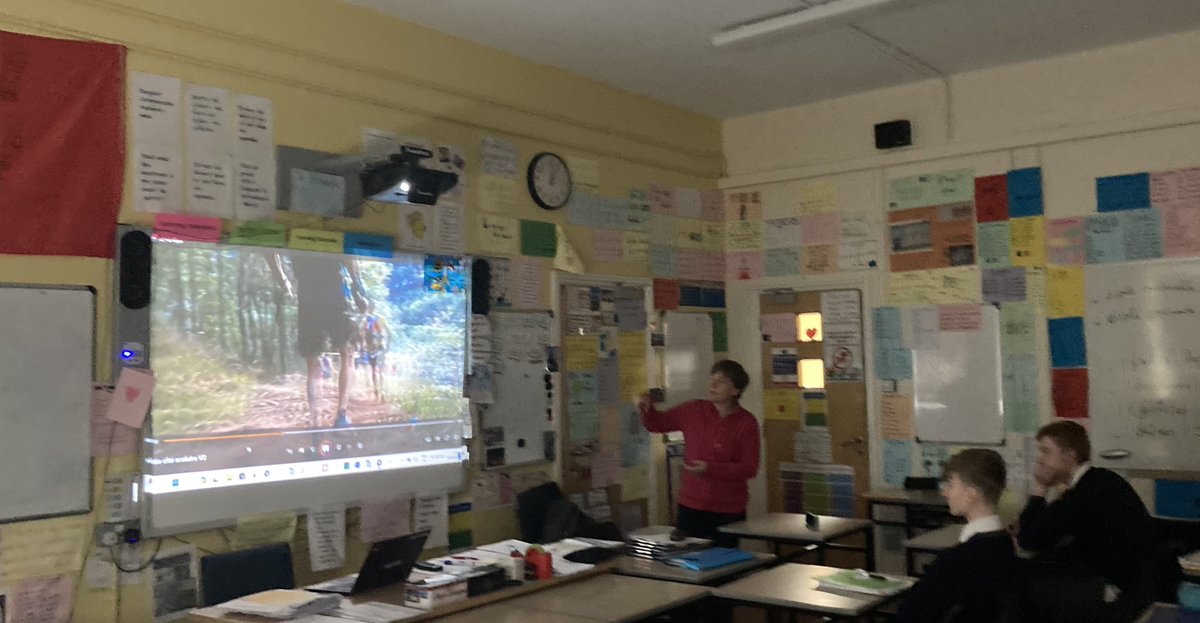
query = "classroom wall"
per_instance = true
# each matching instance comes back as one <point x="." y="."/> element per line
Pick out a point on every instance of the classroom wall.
<point x="1109" y="111"/>
<point x="332" y="70"/>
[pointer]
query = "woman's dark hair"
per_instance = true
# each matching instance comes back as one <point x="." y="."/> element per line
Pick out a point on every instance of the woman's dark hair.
<point x="733" y="371"/>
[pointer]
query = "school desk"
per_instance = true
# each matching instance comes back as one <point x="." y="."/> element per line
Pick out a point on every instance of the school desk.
<point x="793" y="588"/>
<point x="792" y="529"/>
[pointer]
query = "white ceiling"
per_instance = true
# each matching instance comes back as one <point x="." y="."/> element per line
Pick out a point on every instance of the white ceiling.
<point x="661" y="49"/>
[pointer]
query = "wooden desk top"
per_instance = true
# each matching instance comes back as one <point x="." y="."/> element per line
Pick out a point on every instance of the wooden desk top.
<point x="905" y="497"/>
<point x="612" y="598"/>
<point x="395" y="595"/>
<point x="655" y="570"/>
<point x="504" y="613"/>
<point x="936" y="540"/>
<point x="792" y="527"/>
<point x="795" y="586"/>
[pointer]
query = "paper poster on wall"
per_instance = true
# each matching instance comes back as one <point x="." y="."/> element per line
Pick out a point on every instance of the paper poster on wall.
<point x="254" y="189"/>
<point x="896" y="420"/>
<point x="781" y="404"/>
<point x="897" y="461"/>
<point x="1181" y="231"/>
<point x="819" y="259"/>
<point x="1004" y="285"/>
<point x="1123" y="192"/>
<point x="158" y="178"/>
<point x="812" y="445"/>
<point x="991" y="198"/>
<point x="498" y="157"/>
<point x="929" y="189"/>
<point x="994" y="240"/>
<point x="1028" y="241"/>
<point x="156" y="115"/>
<point x="841" y="319"/>
<point x="209" y="132"/>
<point x="932" y="237"/>
<point x="687" y="202"/>
<point x="326" y="536"/>
<point x="210" y="185"/>
<point x="432" y="512"/>
<point x="784" y="366"/>
<point x="779" y="233"/>
<point x="498" y="235"/>
<point x="1066" y="241"/>
<point x="743" y="206"/>
<point x="255" y="121"/>
<point x="1177" y="188"/>
<point x="1024" y="192"/>
<point x="1017" y="334"/>
<point x="742" y="266"/>
<point x="815" y="404"/>
<point x="858" y="254"/>
<point x="818" y="196"/>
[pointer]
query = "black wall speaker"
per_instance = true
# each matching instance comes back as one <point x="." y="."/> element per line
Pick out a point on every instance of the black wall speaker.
<point x="481" y="286"/>
<point x="892" y="134"/>
<point x="134" y="262"/>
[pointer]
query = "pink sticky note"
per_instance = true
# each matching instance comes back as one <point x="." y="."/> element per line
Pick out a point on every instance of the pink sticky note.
<point x="1066" y="240"/>
<point x="108" y="437"/>
<point x="960" y="317"/>
<point x="187" y="228"/>
<point x="131" y="398"/>
<point x="822" y="228"/>
<point x="1181" y="231"/>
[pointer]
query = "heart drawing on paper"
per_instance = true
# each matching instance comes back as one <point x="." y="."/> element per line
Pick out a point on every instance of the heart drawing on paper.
<point x="812" y="333"/>
<point x="131" y="394"/>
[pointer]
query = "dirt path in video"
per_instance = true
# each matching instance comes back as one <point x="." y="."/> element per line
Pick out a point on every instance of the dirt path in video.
<point x="285" y="407"/>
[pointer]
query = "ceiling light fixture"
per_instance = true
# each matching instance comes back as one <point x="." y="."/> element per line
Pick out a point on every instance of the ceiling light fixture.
<point x="834" y="13"/>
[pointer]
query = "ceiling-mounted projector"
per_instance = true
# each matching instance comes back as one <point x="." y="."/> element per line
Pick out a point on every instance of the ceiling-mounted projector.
<point x="400" y="178"/>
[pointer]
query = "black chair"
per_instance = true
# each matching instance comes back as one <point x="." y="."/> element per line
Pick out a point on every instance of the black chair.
<point x="228" y="576"/>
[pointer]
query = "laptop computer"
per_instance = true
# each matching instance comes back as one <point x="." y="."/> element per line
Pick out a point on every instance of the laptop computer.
<point x="388" y="562"/>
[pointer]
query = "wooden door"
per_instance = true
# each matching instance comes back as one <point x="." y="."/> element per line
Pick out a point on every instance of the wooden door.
<point x="845" y="412"/>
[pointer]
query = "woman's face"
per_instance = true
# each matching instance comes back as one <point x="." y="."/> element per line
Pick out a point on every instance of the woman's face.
<point x="721" y="389"/>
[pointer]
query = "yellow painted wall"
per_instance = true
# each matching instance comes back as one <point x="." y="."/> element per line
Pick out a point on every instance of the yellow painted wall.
<point x="333" y="69"/>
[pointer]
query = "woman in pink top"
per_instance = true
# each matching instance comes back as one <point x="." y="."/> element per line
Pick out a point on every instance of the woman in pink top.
<point x="721" y="452"/>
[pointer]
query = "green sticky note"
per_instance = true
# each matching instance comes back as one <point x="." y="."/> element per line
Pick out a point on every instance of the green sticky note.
<point x="815" y="419"/>
<point x="538" y="239"/>
<point x="720" y="332"/>
<point x="259" y="234"/>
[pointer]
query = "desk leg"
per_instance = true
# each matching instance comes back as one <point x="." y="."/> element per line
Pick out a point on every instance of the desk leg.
<point x="820" y="554"/>
<point x="869" y="533"/>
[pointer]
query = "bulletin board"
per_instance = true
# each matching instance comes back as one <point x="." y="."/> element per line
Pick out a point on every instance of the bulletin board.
<point x="606" y="367"/>
<point x="46" y="373"/>
<point x="518" y="427"/>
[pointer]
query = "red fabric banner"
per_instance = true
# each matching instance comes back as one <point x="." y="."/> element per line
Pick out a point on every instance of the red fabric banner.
<point x="62" y="145"/>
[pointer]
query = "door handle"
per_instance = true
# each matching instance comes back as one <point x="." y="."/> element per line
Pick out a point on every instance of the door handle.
<point x="856" y="441"/>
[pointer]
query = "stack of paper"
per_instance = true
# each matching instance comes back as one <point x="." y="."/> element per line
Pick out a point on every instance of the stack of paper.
<point x="654" y="542"/>
<point x="284" y="604"/>
<point x="375" y="612"/>
<point x="1191" y="562"/>
<point x="859" y="581"/>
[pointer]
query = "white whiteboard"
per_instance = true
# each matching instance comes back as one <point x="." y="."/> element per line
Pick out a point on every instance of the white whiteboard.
<point x="1143" y="352"/>
<point x="521" y="401"/>
<point x="957" y="386"/>
<point x="46" y="357"/>
<point x="687" y="356"/>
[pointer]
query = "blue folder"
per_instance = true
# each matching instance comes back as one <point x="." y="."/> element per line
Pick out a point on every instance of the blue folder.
<point x="711" y="558"/>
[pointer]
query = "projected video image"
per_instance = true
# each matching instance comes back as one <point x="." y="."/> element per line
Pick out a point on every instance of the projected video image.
<point x="255" y="339"/>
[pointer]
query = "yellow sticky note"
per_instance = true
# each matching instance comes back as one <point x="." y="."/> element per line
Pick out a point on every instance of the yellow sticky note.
<point x="963" y="284"/>
<point x="499" y="235"/>
<point x="631" y="350"/>
<point x="317" y="240"/>
<point x="781" y="404"/>
<point x="42" y="548"/>
<point x="582" y="352"/>
<point x="816" y="197"/>
<point x="566" y="258"/>
<point x="689" y="233"/>
<point x="636" y="248"/>
<point x="635" y="483"/>
<point x="1027" y="241"/>
<point x="914" y="287"/>
<point x="1064" y="291"/>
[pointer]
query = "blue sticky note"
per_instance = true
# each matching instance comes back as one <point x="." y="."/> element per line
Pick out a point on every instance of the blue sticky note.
<point x="1177" y="499"/>
<point x="1105" y="239"/>
<point x="368" y="245"/>
<point x="662" y="260"/>
<point x="1143" y="234"/>
<point x="712" y="297"/>
<point x="1067" y="346"/>
<point x="1123" y="192"/>
<point x="1025" y="192"/>
<point x="691" y="296"/>
<point x="893" y="363"/>
<point x="897" y="461"/>
<point x="887" y="326"/>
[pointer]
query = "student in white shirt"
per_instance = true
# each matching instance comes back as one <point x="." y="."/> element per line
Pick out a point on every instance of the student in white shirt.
<point x="966" y="582"/>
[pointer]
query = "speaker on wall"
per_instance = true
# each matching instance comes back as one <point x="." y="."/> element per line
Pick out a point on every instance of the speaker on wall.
<point x="892" y="134"/>
<point x="481" y="285"/>
<point x="134" y="263"/>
